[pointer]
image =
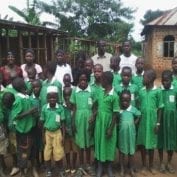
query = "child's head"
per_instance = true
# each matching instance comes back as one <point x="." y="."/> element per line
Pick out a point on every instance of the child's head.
<point x="149" y="77"/>
<point x="84" y="78"/>
<point x="67" y="80"/>
<point x="36" y="87"/>
<point x="66" y="94"/>
<point x="125" y="99"/>
<point x="19" y="85"/>
<point x="32" y="73"/>
<point x="126" y="75"/>
<point x="50" y="68"/>
<point x="98" y="71"/>
<point x="52" y="95"/>
<point x="8" y="99"/>
<point x="174" y="64"/>
<point x="29" y="56"/>
<point x="88" y="65"/>
<point x="107" y="79"/>
<point x="139" y="64"/>
<point x="167" y="77"/>
<point x="60" y="56"/>
<point x="114" y="63"/>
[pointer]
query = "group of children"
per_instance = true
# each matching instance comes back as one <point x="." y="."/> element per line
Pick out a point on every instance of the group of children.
<point x="41" y="120"/>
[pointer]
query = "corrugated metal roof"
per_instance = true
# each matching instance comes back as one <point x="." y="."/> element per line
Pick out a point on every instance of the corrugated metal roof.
<point x="168" y="18"/>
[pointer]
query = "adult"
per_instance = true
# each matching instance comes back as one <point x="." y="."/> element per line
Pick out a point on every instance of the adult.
<point x="62" y="67"/>
<point x="127" y="58"/>
<point x="102" y="57"/>
<point x="29" y="59"/>
<point x="10" y="70"/>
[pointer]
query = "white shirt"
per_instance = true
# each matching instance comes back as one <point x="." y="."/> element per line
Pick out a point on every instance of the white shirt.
<point x="104" y="61"/>
<point x="61" y="71"/>
<point x="128" y="61"/>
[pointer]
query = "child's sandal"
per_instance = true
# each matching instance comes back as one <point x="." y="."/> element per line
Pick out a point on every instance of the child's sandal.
<point x="170" y="168"/>
<point x="162" y="168"/>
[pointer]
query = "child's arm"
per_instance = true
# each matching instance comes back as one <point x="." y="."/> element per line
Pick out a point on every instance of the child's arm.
<point x="159" y="115"/>
<point x="94" y="110"/>
<point x="137" y="119"/>
<point x="25" y="113"/>
<point x="113" y="123"/>
<point x="73" y="120"/>
<point x="63" y="131"/>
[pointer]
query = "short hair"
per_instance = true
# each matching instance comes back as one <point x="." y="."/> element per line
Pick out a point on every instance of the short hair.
<point x="108" y="76"/>
<point x="8" y="98"/>
<point x="86" y="73"/>
<point x="151" y="74"/>
<point x="32" y="69"/>
<point x="18" y="84"/>
<point x="100" y="65"/>
<point x="51" y="67"/>
<point x="59" y="51"/>
<point x="125" y="91"/>
<point x="127" y="68"/>
<point x="168" y="74"/>
<point x="11" y="53"/>
<point x="29" y="50"/>
<point x="116" y="57"/>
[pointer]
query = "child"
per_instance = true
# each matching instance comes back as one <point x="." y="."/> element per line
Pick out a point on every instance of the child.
<point x="128" y="117"/>
<point x="174" y="70"/>
<point x="114" y="65"/>
<point x="67" y="81"/>
<point x="126" y="76"/>
<point x="88" y="66"/>
<point x="31" y="77"/>
<point x="105" y="128"/>
<point x="151" y="104"/>
<point x="22" y="111"/>
<point x="98" y="71"/>
<point x="69" y="144"/>
<point x="82" y="98"/>
<point x="167" y="137"/>
<point x="137" y="78"/>
<point x="50" y="81"/>
<point x="52" y="117"/>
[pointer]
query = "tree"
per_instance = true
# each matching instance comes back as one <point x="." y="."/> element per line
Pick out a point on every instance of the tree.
<point x="29" y="14"/>
<point x="93" y="19"/>
<point x="150" y="16"/>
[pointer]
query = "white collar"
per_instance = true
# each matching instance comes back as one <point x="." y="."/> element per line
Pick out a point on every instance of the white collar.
<point x="111" y="92"/>
<point x="22" y="95"/>
<point x="138" y="75"/>
<point x="128" y="109"/>
<point x="56" y="106"/>
<point x="171" y="88"/>
<point x="121" y="84"/>
<point x="88" y="89"/>
<point x="2" y="87"/>
<point x="154" y="87"/>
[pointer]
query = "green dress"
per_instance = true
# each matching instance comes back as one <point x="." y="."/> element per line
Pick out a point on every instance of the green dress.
<point x="127" y="131"/>
<point x="150" y="101"/>
<point x="133" y="90"/>
<point x="116" y="78"/>
<point x="105" y="148"/>
<point x="83" y="100"/>
<point x="138" y="80"/>
<point x="43" y="93"/>
<point x="96" y="88"/>
<point x="167" y="136"/>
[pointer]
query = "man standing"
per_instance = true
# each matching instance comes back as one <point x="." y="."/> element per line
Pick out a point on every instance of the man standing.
<point x="102" y="57"/>
<point x="127" y="58"/>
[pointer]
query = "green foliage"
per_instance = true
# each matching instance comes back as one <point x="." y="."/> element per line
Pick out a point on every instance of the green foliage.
<point x="150" y="16"/>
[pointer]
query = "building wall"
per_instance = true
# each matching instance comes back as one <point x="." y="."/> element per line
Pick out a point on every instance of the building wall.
<point x="154" y="52"/>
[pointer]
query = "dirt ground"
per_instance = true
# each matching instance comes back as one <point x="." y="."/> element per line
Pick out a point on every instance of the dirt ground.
<point x="116" y="170"/>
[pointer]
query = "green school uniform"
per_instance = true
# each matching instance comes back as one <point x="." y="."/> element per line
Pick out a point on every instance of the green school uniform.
<point x="138" y="80"/>
<point x="22" y="104"/>
<point x="167" y="136"/>
<point x="133" y="90"/>
<point x="116" y="78"/>
<point x="127" y="131"/>
<point x="43" y="93"/>
<point x="105" y="148"/>
<point x="83" y="100"/>
<point x="96" y="88"/>
<point x="150" y="101"/>
<point x="52" y="117"/>
<point x="29" y="87"/>
<point x="92" y="79"/>
<point x="9" y="88"/>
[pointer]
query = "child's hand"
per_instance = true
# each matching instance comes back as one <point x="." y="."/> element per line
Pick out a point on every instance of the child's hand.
<point x="91" y="120"/>
<point x="156" y="129"/>
<point x="109" y="133"/>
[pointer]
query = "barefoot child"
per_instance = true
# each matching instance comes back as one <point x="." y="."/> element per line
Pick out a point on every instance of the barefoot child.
<point x="167" y="137"/>
<point x="128" y="117"/>
<point x="151" y="104"/>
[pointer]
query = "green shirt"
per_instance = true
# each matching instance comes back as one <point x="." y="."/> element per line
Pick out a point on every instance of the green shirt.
<point x="68" y="121"/>
<point x="52" y="117"/>
<point x="138" y="80"/>
<point x="116" y="78"/>
<point x="22" y="104"/>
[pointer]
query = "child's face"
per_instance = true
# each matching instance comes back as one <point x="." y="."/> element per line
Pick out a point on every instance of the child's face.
<point x="114" y="64"/>
<point x="67" y="80"/>
<point x="98" y="71"/>
<point x="146" y="79"/>
<point x="29" y="57"/>
<point x="126" y="76"/>
<point x="166" y="82"/>
<point x="36" y="87"/>
<point x="52" y="99"/>
<point x="60" y="58"/>
<point x="88" y="65"/>
<point x="83" y="82"/>
<point x="126" y="47"/>
<point x="139" y="64"/>
<point x="125" y="101"/>
<point x="174" y="64"/>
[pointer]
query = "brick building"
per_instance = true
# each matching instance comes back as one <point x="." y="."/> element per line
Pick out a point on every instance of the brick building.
<point x="160" y="44"/>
